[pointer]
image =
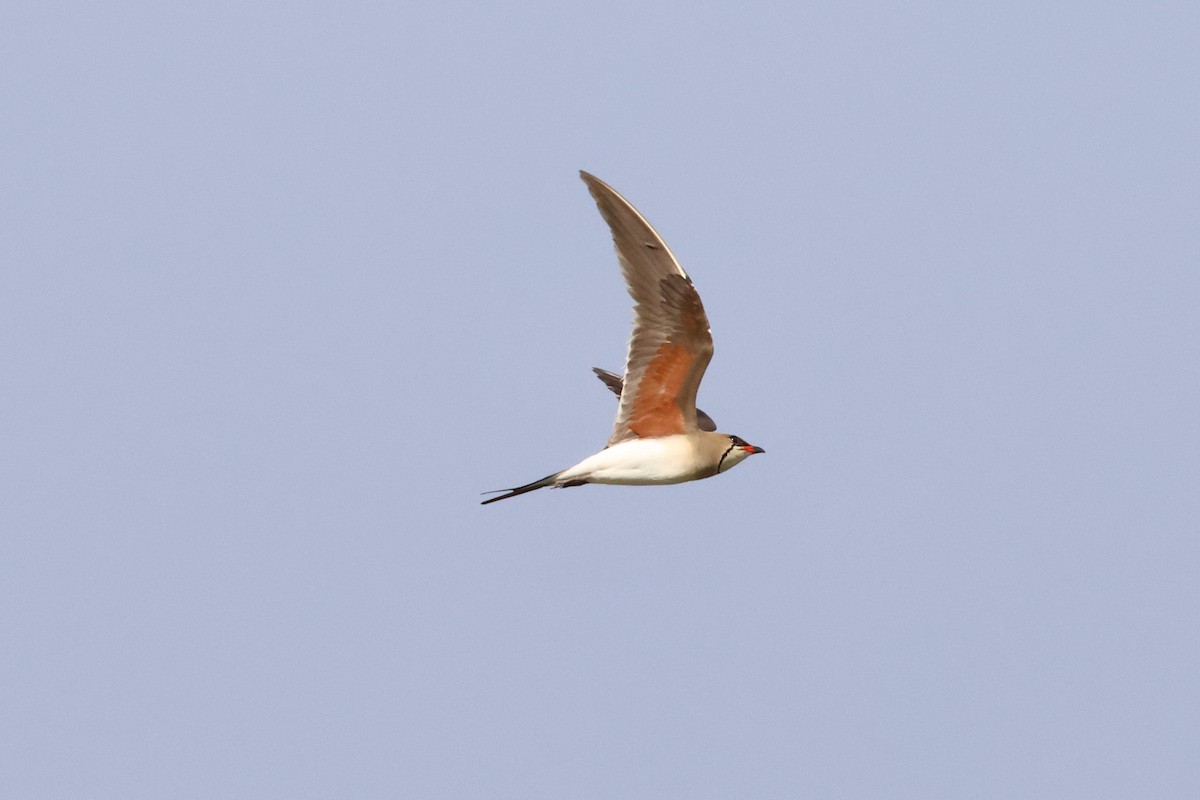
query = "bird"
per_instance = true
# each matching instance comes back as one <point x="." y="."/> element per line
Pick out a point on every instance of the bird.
<point x="659" y="436"/>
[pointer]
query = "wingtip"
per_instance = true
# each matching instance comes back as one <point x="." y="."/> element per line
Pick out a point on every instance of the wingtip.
<point x="612" y="380"/>
<point x="593" y="183"/>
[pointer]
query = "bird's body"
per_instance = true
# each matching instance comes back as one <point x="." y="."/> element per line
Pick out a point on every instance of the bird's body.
<point x="656" y="461"/>
<point x="659" y="437"/>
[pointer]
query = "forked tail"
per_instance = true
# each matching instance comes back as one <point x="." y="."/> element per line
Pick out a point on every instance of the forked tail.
<point x="529" y="487"/>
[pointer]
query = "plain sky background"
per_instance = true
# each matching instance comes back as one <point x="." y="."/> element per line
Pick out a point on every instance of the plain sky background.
<point x="284" y="287"/>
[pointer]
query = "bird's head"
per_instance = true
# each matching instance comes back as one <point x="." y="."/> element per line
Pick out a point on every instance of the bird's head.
<point x="737" y="451"/>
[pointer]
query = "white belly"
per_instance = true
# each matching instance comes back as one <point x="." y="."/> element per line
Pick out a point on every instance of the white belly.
<point x="639" y="462"/>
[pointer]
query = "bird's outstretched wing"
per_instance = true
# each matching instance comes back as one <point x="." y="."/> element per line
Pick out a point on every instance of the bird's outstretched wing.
<point x="613" y="381"/>
<point x="671" y="344"/>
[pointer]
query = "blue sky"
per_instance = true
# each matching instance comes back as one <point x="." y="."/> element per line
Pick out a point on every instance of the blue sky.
<point x="285" y="286"/>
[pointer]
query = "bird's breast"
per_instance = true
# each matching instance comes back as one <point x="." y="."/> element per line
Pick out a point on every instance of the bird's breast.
<point x="645" y="462"/>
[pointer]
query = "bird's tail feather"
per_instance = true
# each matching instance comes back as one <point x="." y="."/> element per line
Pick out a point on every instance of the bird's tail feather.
<point x="529" y="487"/>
